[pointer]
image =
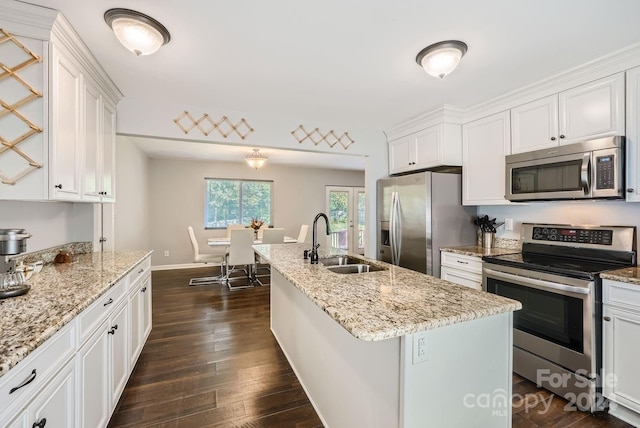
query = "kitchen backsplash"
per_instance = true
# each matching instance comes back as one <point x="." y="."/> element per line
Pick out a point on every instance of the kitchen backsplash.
<point x="47" y="255"/>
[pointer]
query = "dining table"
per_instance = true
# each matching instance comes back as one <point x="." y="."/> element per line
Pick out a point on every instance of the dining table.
<point x="225" y="242"/>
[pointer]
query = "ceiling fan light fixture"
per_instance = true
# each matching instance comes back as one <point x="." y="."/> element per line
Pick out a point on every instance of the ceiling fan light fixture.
<point x="441" y="58"/>
<point x="139" y="33"/>
<point x="256" y="159"/>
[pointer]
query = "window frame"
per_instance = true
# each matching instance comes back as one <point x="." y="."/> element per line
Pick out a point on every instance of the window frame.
<point x="240" y="181"/>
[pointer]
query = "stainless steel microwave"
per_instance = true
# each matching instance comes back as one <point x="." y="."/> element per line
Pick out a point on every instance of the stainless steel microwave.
<point x="588" y="170"/>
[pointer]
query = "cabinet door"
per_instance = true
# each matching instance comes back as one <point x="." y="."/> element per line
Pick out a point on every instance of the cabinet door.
<point x="119" y="352"/>
<point x="93" y="371"/>
<point x="55" y="405"/>
<point x="593" y="110"/>
<point x="400" y="156"/>
<point x="534" y="125"/>
<point x="136" y="308"/>
<point x="108" y="152"/>
<point x="147" y="309"/>
<point x="66" y="126"/>
<point x="633" y="135"/>
<point x="485" y="143"/>
<point x="621" y="349"/>
<point x="92" y="134"/>
<point x="428" y="149"/>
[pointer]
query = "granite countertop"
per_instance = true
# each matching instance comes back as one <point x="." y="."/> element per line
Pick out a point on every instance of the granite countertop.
<point x="477" y="251"/>
<point x="630" y="275"/>
<point x="384" y="304"/>
<point x="57" y="295"/>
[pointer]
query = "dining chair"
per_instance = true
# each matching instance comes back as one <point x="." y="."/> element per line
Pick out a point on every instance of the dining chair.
<point x="303" y="233"/>
<point x="205" y="258"/>
<point x="240" y="253"/>
<point x="233" y="226"/>
<point x="271" y="236"/>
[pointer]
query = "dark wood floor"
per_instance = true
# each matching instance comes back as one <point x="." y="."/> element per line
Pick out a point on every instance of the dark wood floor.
<point x="211" y="361"/>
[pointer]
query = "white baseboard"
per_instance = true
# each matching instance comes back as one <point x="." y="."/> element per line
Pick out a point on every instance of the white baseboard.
<point x="181" y="266"/>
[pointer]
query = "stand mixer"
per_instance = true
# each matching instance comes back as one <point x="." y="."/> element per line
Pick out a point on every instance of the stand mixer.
<point x="12" y="277"/>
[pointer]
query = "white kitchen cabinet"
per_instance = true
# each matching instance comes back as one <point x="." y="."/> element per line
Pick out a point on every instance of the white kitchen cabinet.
<point x="107" y="152"/>
<point x="589" y="111"/>
<point x="633" y="135"/>
<point x="621" y="329"/>
<point x="485" y="143"/>
<point x="592" y="110"/>
<point x="140" y="307"/>
<point x="436" y="146"/>
<point x="461" y="269"/>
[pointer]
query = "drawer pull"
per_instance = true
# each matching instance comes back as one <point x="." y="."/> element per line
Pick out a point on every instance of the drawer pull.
<point x="40" y="424"/>
<point x="30" y="379"/>
<point x="144" y="289"/>
<point x="462" y="263"/>
<point x="607" y="318"/>
<point x="109" y="302"/>
<point x="141" y="270"/>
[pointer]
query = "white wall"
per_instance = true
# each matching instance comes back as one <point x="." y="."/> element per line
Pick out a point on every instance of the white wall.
<point x="131" y="223"/>
<point x="50" y="223"/>
<point x="579" y="212"/>
<point x="176" y="200"/>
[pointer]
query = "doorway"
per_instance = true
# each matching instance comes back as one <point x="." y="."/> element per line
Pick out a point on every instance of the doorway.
<point x="346" y="208"/>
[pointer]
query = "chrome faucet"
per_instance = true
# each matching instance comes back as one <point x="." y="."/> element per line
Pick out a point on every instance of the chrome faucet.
<point x="314" y="249"/>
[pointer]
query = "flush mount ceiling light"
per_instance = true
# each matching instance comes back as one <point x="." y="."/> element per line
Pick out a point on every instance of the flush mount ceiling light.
<point x="139" y="33"/>
<point x="255" y="159"/>
<point x="441" y="58"/>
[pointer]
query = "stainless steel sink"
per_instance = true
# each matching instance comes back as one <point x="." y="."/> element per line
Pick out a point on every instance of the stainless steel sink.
<point x="340" y="261"/>
<point x="354" y="268"/>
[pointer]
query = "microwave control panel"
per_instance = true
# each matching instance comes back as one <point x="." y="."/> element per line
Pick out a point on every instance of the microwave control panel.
<point x="584" y="236"/>
<point x="605" y="172"/>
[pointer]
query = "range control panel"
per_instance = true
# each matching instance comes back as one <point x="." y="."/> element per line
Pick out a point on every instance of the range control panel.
<point x="582" y="236"/>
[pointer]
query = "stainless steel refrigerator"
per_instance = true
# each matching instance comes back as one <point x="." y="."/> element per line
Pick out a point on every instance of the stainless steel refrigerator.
<point x="418" y="214"/>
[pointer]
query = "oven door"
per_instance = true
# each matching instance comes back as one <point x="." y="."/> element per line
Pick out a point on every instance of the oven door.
<point x="556" y="320"/>
<point x="559" y="177"/>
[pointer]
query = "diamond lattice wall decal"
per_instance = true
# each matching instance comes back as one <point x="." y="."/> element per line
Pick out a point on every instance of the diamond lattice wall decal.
<point x="316" y="137"/>
<point x="186" y="122"/>
<point x="33" y="94"/>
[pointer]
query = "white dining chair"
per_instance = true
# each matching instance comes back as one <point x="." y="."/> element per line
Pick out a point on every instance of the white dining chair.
<point x="303" y="233"/>
<point x="233" y="226"/>
<point x="240" y="253"/>
<point x="271" y="236"/>
<point x="261" y="230"/>
<point x="205" y="258"/>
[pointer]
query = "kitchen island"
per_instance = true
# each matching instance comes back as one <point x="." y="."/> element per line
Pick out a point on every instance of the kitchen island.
<point x="394" y="347"/>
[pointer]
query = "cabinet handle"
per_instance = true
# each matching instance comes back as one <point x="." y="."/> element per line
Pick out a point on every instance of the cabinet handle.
<point x="630" y="190"/>
<point x="109" y="302"/>
<point x="607" y="318"/>
<point x="58" y="186"/>
<point x="141" y="270"/>
<point x="553" y="138"/>
<point x="30" y="379"/>
<point x="462" y="263"/>
<point x="40" y="424"/>
<point x="144" y="289"/>
<point x="113" y="329"/>
<point x="562" y="136"/>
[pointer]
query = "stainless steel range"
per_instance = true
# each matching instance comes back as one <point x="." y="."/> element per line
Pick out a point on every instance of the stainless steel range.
<point x="558" y="333"/>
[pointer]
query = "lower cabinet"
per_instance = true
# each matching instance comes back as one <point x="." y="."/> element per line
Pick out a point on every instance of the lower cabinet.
<point x="621" y="329"/>
<point x="140" y="310"/>
<point x="93" y="369"/>
<point x="461" y="269"/>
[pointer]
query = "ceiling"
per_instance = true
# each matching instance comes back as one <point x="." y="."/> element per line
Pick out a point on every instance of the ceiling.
<point x="349" y="62"/>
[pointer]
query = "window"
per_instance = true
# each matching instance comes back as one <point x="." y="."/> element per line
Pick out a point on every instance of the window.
<point x="236" y="201"/>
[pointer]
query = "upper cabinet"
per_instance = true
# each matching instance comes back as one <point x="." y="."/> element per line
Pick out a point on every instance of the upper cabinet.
<point x="61" y="124"/>
<point x="633" y="135"/>
<point x="589" y="111"/>
<point x="485" y="143"/>
<point x="436" y="146"/>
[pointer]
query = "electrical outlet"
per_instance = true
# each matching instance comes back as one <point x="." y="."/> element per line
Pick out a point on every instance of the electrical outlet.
<point x="508" y="224"/>
<point x="166" y="253"/>
<point x="420" y="349"/>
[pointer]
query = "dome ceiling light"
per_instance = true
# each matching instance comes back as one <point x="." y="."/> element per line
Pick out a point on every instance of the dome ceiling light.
<point x="441" y="58"/>
<point x="255" y="159"/>
<point x="139" y="33"/>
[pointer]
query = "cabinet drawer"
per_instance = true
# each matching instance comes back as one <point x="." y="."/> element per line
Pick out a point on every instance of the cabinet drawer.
<point x="24" y="380"/>
<point x="139" y="271"/>
<point x="91" y="317"/>
<point x="461" y="277"/>
<point x="461" y="261"/>
<point x="621" y="294"/>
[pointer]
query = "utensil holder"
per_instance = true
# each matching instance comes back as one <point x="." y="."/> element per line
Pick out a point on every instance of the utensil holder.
<point x="488" y="239"/>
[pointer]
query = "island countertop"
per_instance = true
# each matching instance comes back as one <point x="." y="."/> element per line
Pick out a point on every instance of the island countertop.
<point x="57" y="295"/>
<point x="384" y="304"/>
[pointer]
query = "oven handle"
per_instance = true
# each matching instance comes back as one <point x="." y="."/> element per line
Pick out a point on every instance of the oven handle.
<point x="536" y="283"/>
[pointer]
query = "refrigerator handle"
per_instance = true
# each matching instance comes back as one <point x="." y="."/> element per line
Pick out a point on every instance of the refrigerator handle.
<point x="392" y="228"/>
<point x="398" y="231"/>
